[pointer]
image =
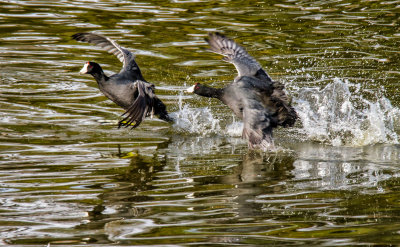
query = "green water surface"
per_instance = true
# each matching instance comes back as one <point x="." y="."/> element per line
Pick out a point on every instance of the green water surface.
<point x="70" y="177"/>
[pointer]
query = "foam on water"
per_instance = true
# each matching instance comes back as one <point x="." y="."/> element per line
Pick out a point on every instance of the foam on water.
<point x="340" y="114"/>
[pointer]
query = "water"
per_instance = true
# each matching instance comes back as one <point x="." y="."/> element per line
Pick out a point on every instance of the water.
<point x="339" y="115"/>
<point x="70" y="177"/>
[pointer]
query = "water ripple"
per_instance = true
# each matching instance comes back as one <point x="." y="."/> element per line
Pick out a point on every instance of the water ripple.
<point x="70" y="176"/>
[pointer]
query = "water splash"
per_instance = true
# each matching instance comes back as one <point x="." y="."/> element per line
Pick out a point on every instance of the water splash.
<point x="235" y="128"/>
<point x="339" y="114"/>
<point x="202" y="121"/>
<point x="195" y="120"/>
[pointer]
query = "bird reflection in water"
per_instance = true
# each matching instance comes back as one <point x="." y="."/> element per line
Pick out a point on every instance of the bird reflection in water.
<point x="129" y="182"/>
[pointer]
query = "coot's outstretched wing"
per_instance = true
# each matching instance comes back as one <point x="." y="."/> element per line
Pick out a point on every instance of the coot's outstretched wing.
<point x="233" y="53"/>
<point x="142" y="106"/>
<point x="130" y="68"/>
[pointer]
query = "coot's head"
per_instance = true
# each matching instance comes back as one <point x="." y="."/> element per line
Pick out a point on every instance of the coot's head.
<point x="90" y="68"/>
<point x="195" y="88"/>
<point x="205" y="91"/>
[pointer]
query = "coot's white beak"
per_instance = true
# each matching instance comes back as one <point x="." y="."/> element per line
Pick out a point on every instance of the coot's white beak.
<point x="190" y="89"/>
<point x="84" y="70"/>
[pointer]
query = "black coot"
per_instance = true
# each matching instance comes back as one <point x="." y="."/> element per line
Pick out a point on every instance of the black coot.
<point x="128" y="88"/>
<point x="252" y="96"/>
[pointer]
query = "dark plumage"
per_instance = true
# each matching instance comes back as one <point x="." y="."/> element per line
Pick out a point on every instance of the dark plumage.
<point x="252" y="96"/>
<point x="128" y="88"/>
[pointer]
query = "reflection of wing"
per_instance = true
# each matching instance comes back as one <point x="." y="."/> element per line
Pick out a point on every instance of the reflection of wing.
<point x="141" y="107"/>
<point x="124" y="55"/>
<point x="233" y="53"/>
<point x="257" y="127"/>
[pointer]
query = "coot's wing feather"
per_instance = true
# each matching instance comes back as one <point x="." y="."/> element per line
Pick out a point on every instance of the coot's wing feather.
<point x="286" y="113"/>
<point x="141" y="107"/>
<point x="233" y="53"/>
<point x="124" y="55"/>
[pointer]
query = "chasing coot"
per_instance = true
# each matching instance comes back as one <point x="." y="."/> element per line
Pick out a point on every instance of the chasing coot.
<point x="260" y="102"/>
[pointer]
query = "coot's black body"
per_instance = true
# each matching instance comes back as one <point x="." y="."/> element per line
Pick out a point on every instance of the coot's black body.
<point x="252" y="96"/>
<point x="128" y="88"/>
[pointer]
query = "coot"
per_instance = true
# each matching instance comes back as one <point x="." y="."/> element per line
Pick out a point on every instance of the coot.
<point x="260" y="102"/>
<point x="128" y="88"/>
